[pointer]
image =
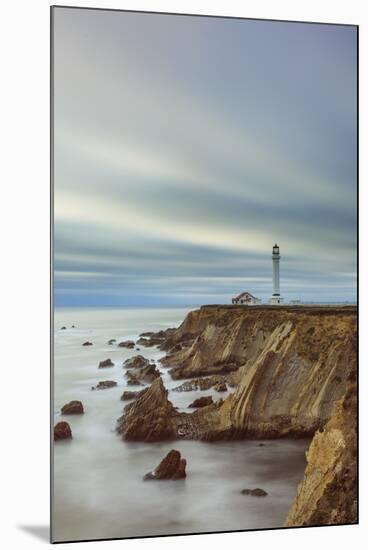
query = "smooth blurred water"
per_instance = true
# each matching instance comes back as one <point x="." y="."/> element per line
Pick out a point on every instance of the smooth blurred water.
<point x="98" y="486"/>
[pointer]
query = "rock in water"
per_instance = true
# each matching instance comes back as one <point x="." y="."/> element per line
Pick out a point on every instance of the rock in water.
<point x="221" y="387"/>
<point x="126" y="344"/>
<point x="136" y="362"/>
<point x="201" y="402"/>
<point x="171" y="467"/>
<point x="87" y="344"/>
<point x="111" y="342"/>
<point x="62" y="431"/>
<point x="106" y="363"/>
<point x="127" y="395"/>
<point x="254" y="492"/>
<point x="104" y="384"/>
<point x="150" y="417"/>
<point x="74" y="407"/>
<point x="63" y="328"/>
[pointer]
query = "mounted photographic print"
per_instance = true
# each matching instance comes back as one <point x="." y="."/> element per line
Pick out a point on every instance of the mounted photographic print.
<point x="204" y="368"/>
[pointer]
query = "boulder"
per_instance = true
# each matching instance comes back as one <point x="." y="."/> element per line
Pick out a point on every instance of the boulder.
<point x="201" y="402"/>
<point x="63" y="328"/>
<point x="126" y="344"/>
<point x="87" y="344"/>
<point x="74" y="407"/>
<point x="62" y="431"/>
<point x="104" y="384"/>
<point x="105" y="363"/>
<point x="220" y="387"/>
<point x="73" y="326"/>
<point x="254" y="492"/>
<point x="150" y="417"/>
<point x="171" y="467"/>
<point x="136" y="362"/>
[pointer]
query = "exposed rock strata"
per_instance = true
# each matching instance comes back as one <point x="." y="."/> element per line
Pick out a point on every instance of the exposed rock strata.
<point x="144" y="374"/>
<point x="171" y="467"/>
<point x="150" y="417"/>
<point x="149" y="339"/>
<point x="293" y="366"/>
<point x="328" y="493"/>
<point x="201" y="384"/>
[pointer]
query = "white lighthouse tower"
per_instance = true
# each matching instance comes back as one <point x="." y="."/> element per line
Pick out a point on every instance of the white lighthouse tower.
<point x="276" y="297"/>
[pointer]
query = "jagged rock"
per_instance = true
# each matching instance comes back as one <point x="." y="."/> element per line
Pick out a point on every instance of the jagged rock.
<point x="149" y="339"/>
<point x="199" y="384"/>
<point x="171" y="467"/>
<point x="74" y="407"/>
<point x="105" y="363"/>
<point x="133" y="380"/>
<point x="104" y="384"/>
<point x="136" y="362"/>
<point x="62" y="431"/>
<point x="328" y="493"/>
<point x="111" y="341"/>
<point x="146" y="374"/>
<point x="254" y="492"/>
<point x="126" y="344"/>
<point x="127" y="395"/>
<point x="87" y="344"/>
<point x="202" y="402"/>
<point x="221" y="387"/>
<point x="150" y="417"/>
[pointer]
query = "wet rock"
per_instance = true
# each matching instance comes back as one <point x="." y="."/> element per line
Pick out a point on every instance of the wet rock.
<point x="149" y="339"/>
<point x="74" y="407"/>
<point x="221" y="387"/>
<point x="62" y="431"/>
<point x="150" y="417"/>
<point x="127" y="395"/>
<point x="105" y="363"/>
<point x="254" y="492"/>
<point x="145" y="374"/>
<point x="63" y="328"/>
<point x="87" y="344"/>
<point x="199" y="384"/>
<point x="201" y="402"/>
<point x="171" y="467"/>
<point x="111" y="341"/>
<point x="138" y="361"/>
<point x="73" y="326"/>
<point x="126" y="344"/>
<point x="133" y="380"/>
<point x="104" y="384"/>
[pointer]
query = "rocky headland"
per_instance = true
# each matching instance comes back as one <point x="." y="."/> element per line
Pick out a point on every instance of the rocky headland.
<point x="294" y="372"/>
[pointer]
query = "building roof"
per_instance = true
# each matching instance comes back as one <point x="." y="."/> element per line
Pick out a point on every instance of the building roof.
<point x="246" y="295"/>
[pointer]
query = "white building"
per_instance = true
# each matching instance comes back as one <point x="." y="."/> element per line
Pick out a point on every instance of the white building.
<point x="246" y="299"/>
<point x="276" y="296"/>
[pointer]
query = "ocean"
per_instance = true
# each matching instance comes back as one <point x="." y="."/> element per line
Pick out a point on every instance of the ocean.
<point x="98" y="487"/>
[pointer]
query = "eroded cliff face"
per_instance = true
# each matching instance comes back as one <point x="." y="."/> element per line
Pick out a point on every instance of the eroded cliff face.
<point x="292" y="365"/>
<point x="328" y="493"/>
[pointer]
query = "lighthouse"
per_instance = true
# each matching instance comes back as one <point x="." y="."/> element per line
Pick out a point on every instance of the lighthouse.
<point x="276" y="297"/>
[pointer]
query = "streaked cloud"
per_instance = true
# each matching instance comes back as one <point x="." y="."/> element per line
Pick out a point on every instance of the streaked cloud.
<point x="185" y="147"/>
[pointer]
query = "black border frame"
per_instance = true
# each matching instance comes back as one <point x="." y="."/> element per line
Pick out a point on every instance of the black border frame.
<point x="51" y="157"/>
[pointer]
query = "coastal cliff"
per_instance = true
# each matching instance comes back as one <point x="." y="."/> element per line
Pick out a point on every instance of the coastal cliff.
<point x="291" y="365"/>
<point x="294" y="369"/>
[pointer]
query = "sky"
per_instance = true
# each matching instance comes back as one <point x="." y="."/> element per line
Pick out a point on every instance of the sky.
<point x="185" y="147"/>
